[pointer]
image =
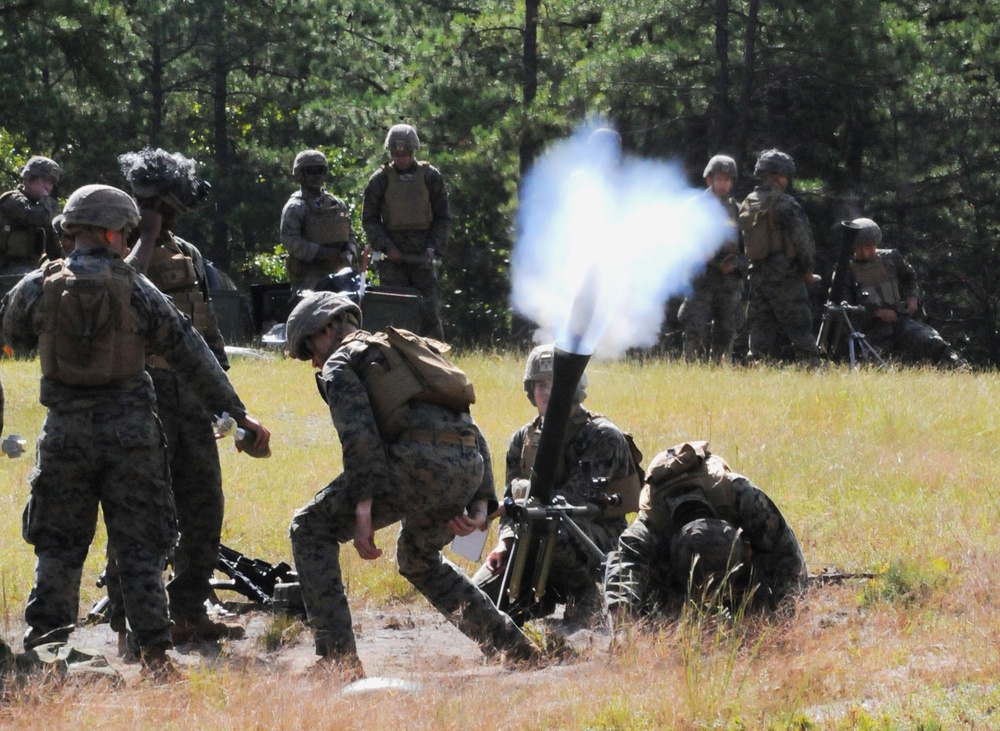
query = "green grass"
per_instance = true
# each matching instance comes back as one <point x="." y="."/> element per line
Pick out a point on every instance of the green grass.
<point x="891" y="473"/>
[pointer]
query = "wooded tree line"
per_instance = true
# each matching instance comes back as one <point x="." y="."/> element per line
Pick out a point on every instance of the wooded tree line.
<point x="887" y="106"/>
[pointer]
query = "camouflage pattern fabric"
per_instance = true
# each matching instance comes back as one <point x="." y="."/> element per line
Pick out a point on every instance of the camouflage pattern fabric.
<point x="421" y="276"/>
<point x="420" y="484"/>
<point x="779" y="300"/>
<point x="293" y="225"/>
<point x="907" y="338"/>
<point x="595" y="447"/>
<point x="104" y="445"/>
<point x="639" y="577"/>
<point x="195" y="474"/>
<point x="24" y="214"/>
<point x="712" y="314"/>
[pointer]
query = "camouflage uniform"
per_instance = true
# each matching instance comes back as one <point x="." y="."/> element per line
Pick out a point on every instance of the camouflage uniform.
<point x="429" y="474"/>
<point x="888" y="283"/>
<point x="417" y="272"/>
<point x="193" y="457"/>
<point x="103" y="445"/>
<point x="595" y="447"/>
<point x="713" y="313"/>
<point x="305" y="270"/>
<point x="28" y="232"/>
<point x="779" y="299"/>
<point x="641" y="577"/>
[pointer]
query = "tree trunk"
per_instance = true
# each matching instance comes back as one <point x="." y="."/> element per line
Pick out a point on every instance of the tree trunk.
<point x="529" y="84"/>
<point x="746" y="94"/>
<point x="220" y="133"/>
<point x="721" y="116"/>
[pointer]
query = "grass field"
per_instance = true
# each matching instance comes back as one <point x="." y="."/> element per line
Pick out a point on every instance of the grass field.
<point x="892" y="473"/>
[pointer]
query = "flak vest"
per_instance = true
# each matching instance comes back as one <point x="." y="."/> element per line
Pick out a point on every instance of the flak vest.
<point x="88" y="335"/>
<point x="327" y="222"/>
<point x="407" y="205"/>
<point x="173" y="273"/>
<point x="875" y="276"/>
<point x="18" y="241"/>
<point x="762" y="236"/>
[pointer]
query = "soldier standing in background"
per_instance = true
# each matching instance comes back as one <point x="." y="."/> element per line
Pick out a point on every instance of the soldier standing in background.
<point x="165" y="186"/>
<point x="779" y="244"/>
<point x="406" y="217"/>
<point x="315" y="225"/>
<point x="694" y="507"/>
<point x="594" y="447"/>
<point x="712" y="313"/>
<point x="26" y="215"/>
<point x="92" y="319"/>
<point x="433" y="476"/>
<point x="881" y="281"/>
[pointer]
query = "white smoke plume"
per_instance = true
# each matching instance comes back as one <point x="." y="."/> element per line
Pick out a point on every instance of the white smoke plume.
<point x="603" y="241"/>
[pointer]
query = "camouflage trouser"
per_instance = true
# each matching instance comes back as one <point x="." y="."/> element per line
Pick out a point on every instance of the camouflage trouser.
<point x="113" y="457"/>
<point x="423" y="278"/>
<point x="780" y="304"/>
<point x="711" y="316"/>
<point x="637" y="579"/>
<point x="912" y="340"/>
<point x="429" y="485"/>
<point x="196" y="482"/>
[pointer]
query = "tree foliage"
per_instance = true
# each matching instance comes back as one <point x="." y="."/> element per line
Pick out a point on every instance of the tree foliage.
<point x="887" y="106"/>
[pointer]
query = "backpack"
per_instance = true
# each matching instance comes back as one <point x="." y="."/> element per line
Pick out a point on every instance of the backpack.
<point x="418" y="371"/>
<point x="760" y="238"/>
<point x="686" y="477"/>
<point x="88" y="337"/>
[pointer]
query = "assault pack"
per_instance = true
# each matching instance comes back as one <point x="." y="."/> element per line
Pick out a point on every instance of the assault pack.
<point x="418" y="371"/>
<point x="684" y="482"/>
<point x="761" y="235"/>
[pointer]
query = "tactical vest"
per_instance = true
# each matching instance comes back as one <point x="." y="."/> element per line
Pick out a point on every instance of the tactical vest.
<point x="762" y="236"/>
<point x="416" y="372"/>
<point x="687" y="482"/>
<point x="626" y="487"/>
<point x="876" y="278"/>
<point x="88" y="334"/>
<point x="173" y="273"/>
<point x="407" y="199"/>
<point x="18" y="241"/>
<point x="327" y="222"/>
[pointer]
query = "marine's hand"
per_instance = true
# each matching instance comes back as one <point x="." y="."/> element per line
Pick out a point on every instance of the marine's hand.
<point x="471" y="520"/>
<point x="885" y="314"/>
<point x="429" y="253"/>
<point x="393" y="254"/>
<point x="497" y="560"/>
<point x="364" y="533"/>
<point x="911" y="304"/>
<point x="263" y="441"/>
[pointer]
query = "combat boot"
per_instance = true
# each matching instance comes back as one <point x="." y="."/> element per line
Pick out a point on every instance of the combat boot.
<point x="157" y="667"/>
<point x="203" y="629"/>
<point x="345" y="667"/>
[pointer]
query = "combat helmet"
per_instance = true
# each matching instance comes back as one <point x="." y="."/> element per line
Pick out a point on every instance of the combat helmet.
<point x="774" y="161"/>
<point x="307" y="159"/>
<point x="721" y="164"/>
<point x="100" y="206"/>
<point x="312" y="314"/>
<point x="705" y="552"/>
<point x="539" y="367"/>
<point x="41" y="167"/>
<point x="402" y="138"/>
<point x="868" y="232"/>
<point x="168" y="176"/>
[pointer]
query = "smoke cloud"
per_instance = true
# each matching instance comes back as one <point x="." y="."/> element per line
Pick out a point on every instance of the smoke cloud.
<point x="603" y="241"/>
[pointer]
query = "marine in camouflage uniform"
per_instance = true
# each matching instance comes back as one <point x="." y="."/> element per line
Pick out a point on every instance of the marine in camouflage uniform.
<point x="406" y="216"/>
<point x="434" y="478"/>
<point x="101" y="443"/>
<point x="26" y="214"/>
<point x="693" y="504"/>
<point x="779" y="244"/>
<point x="594" y="448"/>
<point x="884" y="283"/>
<point x="713" y="313"/>
<point x="177" y="269"/>
<point x="315" y="225"/>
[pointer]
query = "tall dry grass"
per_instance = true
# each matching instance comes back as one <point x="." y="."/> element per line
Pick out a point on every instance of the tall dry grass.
<point x="893" y="473"/>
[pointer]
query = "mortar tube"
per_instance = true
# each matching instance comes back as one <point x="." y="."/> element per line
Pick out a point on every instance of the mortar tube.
<point x="567" y="369"/>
